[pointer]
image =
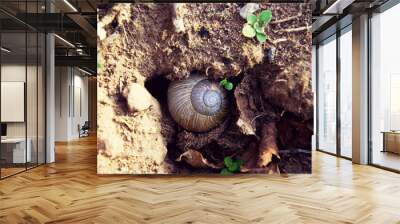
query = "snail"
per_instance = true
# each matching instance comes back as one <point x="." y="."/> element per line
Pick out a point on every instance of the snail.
<point x="197" y="104"/>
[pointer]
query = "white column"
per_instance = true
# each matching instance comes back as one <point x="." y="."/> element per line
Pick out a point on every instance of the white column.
<point x="360" y="90"/>
<point x="50" y="92"/>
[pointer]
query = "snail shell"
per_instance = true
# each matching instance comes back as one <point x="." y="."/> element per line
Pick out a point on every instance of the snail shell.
<point x="197" y="104"/>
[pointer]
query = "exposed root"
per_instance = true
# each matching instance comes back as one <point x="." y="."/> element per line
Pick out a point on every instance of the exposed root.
<point x="268" y="146"/>
<point x="297" y="29"/>
<point x="287" y="19"/>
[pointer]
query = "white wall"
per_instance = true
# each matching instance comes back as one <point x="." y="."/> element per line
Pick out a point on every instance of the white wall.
<point x="71" y="102"/>
<point x="16" y="73"/>
<point x="33" y="127"/>
<point x="12" y="73"/>
<point x="61" y="103"/>
<point x="80" y="103"/>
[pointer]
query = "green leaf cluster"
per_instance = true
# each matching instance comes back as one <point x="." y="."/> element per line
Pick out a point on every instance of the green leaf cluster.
<point x="226" y="84"/>
<point x="231" y="165"/>
<point x="255" y="25"/>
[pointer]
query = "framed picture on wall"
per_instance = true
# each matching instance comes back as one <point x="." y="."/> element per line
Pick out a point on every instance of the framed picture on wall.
<point x="194" y="88"/>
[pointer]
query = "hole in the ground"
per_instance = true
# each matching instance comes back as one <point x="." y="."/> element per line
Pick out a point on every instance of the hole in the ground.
<point x="236" y="80"/>
<point x="158" y="88"/>
<point x="204" y="33"/>
<point x="229" y="142"/>
<point x="226" y="61"/>
<point x="114" y="23"/>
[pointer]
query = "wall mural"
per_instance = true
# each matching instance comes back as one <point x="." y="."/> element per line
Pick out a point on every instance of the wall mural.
<point x="204" y="88"/>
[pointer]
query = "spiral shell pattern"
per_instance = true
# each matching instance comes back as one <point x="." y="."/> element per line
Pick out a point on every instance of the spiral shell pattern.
<point x="197" y="104"/>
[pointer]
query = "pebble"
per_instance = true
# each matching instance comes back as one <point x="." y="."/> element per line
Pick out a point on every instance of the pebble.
<point x="138" y="98"/>
<point x="248" y="9"/>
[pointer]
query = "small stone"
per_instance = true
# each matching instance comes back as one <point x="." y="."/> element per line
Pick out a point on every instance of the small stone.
<point x="138" y="98"/>
<point x="101" y="32"/>
<point x="178" y="12"/>
<point x="249" y="8"/>
<point x="179" y="25"/>
<point x="271" y="54"/>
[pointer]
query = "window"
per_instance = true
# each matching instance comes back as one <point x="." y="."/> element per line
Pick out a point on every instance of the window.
<point x="385" y="89"/>
<point x="346" y="92"/>
<point x="327" y="95"/>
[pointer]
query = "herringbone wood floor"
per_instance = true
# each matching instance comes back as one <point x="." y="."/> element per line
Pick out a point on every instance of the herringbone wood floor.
<point x="69" y="191"/>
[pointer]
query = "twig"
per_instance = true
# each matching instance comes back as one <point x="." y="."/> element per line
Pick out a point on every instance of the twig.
<point x="126" y="38"/>
<point x="277" y="41"/>
<point x="281" y="80"/>
<point x="207" y="70"/>
<point x="262" y="104"/>
<point x="260" y="115"/>
<point x="297" y="29"/>
<point x="285" y="20"/>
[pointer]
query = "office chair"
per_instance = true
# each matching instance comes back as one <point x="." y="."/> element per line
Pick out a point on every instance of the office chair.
<point x="84" y="130"/>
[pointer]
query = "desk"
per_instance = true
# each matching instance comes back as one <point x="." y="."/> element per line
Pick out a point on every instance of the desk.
<point x="391" y="141"/>
<point x="17" y="150"/>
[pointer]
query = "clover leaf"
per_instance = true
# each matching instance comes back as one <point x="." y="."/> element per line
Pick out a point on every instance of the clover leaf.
<point x="223" y="82"/>
<point x="251" y="19"/>
<point x="231" y="165"/>
<point x="248" y="31"/>
<point x="234" y="167"/>
<point x="261" y="37"/>
<point x="255" y="26"/>
<point x="229" y="86"/>
<point x="258" y="28"/>
<point x="265" y="16"/>
<point x="225" y="171"/>
<point x="226" y="84"/>
<point x="228" y="161"/>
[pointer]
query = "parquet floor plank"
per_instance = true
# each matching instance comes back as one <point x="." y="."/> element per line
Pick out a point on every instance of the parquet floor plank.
<point x="70" y="191"/>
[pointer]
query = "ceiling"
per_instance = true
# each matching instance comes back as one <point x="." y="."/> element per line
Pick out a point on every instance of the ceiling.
<point x="332" y="15"/>
<point x="74" y="22"/>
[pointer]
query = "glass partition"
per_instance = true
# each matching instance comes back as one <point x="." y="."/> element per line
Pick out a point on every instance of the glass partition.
<point x="22" y="77"/>
<point x="327" y="95"/>
<point x="385" y="89"/>
<point x="32" y="98"/>
<point x="13" y="95"/>
<point x="41" y="97"/>
<point x="346" y="92"/>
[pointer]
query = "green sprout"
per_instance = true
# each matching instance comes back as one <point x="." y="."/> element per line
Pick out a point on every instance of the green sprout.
<point x="255" y="25"/>
<point x="231" y="165"/>
<point x="99" y="66"/>
<point x="226" y="84"/>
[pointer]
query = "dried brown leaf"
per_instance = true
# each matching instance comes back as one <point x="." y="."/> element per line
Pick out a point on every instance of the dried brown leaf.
<point x="271" y="169"/>
<point x="196" y="159"/>
<point x="245" y="127"/>
<point x="268" y="146"/>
